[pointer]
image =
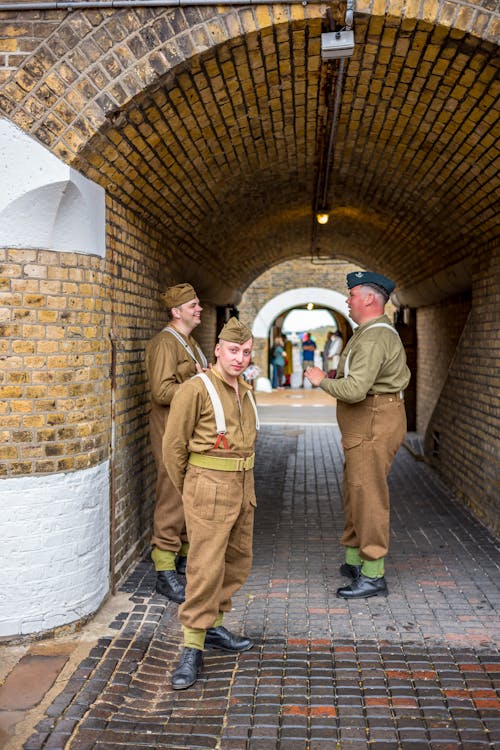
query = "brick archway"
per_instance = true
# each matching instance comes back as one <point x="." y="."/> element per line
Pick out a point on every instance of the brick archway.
<point x="204" y="127"/>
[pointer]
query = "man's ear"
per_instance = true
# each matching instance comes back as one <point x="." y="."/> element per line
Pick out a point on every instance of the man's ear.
<point x="176" y="312"/>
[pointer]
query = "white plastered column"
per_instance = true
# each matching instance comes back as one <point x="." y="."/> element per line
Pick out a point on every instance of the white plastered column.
<point x="54" y="553"/>
<point x="44" y="203"/>
<point x="54" y="560"/>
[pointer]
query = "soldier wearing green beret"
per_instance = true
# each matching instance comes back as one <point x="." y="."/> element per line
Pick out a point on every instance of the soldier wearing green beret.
<point x="371" y="377"/>
<point x="172" y="357"/>
<point x="208" y="450"/>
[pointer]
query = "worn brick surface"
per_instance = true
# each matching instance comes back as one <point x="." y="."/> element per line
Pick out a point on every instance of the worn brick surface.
<point x="419" y="669"/>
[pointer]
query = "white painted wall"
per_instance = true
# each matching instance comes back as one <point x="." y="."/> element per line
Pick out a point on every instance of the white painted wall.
<point x="44" y="203"/>
<point x="54" y="550"/>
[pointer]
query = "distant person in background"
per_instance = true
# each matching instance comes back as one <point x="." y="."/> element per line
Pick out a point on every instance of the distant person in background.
<point x="308" y="349"/>
<point x="326" y="350"/>
<point x="288" y="371"/>
<point x="331" y="354"/>
<point x="278" y="362"/>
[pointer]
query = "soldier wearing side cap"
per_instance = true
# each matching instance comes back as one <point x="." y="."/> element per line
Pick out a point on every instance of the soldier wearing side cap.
<point x="371" y="377"/>
<point x="208" y="450"/>
<point x="172" y="357"/>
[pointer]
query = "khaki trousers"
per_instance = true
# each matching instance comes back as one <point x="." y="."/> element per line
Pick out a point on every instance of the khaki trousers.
<point x="219" y="509"/>
<point x="372" y="432"/>
<point x="169" y="528"/>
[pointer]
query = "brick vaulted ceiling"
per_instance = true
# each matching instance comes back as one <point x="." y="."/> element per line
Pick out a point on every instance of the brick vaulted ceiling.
<point x="221" y="150"/>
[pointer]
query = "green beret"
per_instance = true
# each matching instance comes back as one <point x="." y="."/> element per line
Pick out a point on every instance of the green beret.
<point x="235" y="332"/>
<point x="367" y="277"/>
<point x="178" y="295"/>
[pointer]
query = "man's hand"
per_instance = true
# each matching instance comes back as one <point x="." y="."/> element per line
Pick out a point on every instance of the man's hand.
<point x="315" y="375"/>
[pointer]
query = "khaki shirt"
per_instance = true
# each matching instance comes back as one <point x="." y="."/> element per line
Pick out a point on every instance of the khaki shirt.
<point x="191" y="425"/>
<point x="377" y="364"/>
<point x="168" y="365"/>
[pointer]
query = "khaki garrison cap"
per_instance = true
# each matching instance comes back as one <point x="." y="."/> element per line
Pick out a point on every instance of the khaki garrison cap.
<point x="235" y="332"/>
<point x="178" y="295"/>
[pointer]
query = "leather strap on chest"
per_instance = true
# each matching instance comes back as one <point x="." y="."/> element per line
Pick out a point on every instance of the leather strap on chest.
<point x="220" y="420"/>
<point x="201" y="360"/>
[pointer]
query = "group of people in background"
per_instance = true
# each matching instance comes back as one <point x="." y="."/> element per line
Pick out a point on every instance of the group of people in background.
<point x="282" y="357"/>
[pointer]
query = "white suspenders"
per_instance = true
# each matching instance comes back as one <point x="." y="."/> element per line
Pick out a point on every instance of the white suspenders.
<point x="186" y="346"/>
<point x="220" y="419"/>
<point x="375" y="325"/>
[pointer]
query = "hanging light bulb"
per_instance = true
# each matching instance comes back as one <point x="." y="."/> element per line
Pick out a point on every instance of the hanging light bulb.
<point x="322" y="217"/>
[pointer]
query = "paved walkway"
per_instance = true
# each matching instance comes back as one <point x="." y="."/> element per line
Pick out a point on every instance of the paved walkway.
<point x="418" y="670"/>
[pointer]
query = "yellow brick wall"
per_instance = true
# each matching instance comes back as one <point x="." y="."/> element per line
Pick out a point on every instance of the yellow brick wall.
<point x="55" y="389"/>
<point x="466" y="418"/>
<point x="139" y="269"/>
<point x="439" y="328"/>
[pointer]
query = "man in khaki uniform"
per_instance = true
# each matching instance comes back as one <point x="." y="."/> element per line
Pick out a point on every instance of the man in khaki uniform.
<point x="369" y="384"/>
<point x="208" y="450"/>
<point x="172" y="357"/>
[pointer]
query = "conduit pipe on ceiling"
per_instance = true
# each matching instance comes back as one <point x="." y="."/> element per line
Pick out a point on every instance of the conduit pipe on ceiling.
<point x="325" y="171"/>
<point x="93" y="4"/>
<point x="325" y="167"/>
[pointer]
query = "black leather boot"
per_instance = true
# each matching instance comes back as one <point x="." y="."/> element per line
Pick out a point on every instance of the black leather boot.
<point x="350" y="571"/>
<point x="221" y="638"/>
<point x="189" y="668"/>
<point x="180" y="564"/>
<point x="169" y="585"/>
<point x="364" y="587"/>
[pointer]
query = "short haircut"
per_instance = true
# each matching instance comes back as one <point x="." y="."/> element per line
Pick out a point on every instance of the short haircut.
<point x="379" y="290"/>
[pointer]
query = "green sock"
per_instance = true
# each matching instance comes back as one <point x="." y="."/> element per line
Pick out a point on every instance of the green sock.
<point x="218" y="621"/>
<point x="352" y="556"/>
<point x="194" y="637"/>
<point x="183" y="552"/>
<point x="163" y="559"/>
<point x="373" y="568"/>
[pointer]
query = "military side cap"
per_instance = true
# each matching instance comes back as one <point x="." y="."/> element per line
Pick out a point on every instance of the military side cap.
<point x="235" y="332"/>
<point x="367" y="277"/>
<point x="178" y="295"/>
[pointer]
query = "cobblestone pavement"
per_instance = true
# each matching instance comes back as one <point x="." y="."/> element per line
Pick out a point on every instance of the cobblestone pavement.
<point x="419" y="669"/>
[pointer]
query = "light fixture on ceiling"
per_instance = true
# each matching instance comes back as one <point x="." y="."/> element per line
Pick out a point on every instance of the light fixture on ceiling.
<point x="322" y="216"/>
<point x="337" y="44"/>
<point x="310" y="305"/>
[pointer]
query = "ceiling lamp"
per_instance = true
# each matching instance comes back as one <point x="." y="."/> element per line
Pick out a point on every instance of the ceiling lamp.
<point x="337" y="44"/>
<point x="322" y="216"/>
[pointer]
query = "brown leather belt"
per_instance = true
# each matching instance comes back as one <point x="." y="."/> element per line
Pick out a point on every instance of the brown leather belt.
<point x="398" y="396"/>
